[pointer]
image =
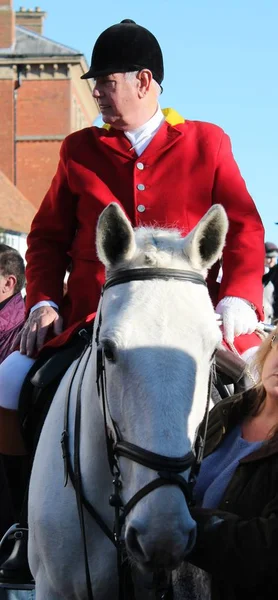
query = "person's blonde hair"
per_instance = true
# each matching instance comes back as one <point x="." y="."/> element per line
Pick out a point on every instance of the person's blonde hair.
<point x="258" y="392"/>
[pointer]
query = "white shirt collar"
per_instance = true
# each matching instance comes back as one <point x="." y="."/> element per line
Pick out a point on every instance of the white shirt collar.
<point x="141" y="137"/>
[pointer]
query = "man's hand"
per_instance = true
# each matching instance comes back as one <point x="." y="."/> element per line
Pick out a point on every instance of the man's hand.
<point x="33" y="334"/>
<point x="238" y="317"/>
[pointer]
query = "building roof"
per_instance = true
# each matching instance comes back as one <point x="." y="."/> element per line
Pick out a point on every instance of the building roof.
<point x="31" y="44"/>
<point x="16" y="212"/>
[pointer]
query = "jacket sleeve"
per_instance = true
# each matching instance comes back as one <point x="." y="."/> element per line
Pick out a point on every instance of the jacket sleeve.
<point x="229" y="547"/>
<point x="50" y="238"/>
<point x="243" y="256"/>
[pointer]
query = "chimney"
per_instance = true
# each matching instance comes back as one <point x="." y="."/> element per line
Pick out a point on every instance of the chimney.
<point x="6" y="24"/>
<point x="31" y="19"/>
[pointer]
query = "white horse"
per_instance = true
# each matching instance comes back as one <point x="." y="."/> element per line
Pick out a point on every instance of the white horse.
<point x="157" y="336"/>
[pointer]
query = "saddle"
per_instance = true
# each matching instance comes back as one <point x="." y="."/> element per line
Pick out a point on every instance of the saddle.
<point x="41" y="383"/>
<point x="230" y="375"/>
<point x="231" y="367"/>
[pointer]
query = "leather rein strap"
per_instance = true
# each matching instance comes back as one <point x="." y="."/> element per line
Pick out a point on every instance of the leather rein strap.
<point x="168" y="469"/>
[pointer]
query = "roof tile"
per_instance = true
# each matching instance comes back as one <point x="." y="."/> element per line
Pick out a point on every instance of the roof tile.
<point x="16" y="212"/>
<point x="28" y="43"/>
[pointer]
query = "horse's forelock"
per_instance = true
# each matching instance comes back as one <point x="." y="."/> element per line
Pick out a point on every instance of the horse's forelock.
<point x="156" y="246"/>
<point x="159" y="237"/>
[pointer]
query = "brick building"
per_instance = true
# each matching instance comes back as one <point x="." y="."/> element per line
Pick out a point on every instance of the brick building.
<point x="16" y="215"/>
<point x="42" y="99"/>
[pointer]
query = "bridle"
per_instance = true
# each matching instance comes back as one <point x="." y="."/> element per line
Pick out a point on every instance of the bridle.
<point x="168" y="469"/>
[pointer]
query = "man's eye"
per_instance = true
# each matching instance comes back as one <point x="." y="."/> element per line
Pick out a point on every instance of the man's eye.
<point x="100" y="81"/>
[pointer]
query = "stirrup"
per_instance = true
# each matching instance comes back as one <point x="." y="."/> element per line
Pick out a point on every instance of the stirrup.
<point x="15" y="571"/>
<point x="15" y="528"/>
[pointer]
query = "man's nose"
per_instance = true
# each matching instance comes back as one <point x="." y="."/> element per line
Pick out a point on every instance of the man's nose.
<point x="96" y="93"/>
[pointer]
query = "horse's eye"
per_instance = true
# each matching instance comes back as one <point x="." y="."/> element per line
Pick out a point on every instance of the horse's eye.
<point x="109" y="353"/>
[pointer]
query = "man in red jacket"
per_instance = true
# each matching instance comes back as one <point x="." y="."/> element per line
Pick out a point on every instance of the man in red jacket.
<point x="162" y="170"/>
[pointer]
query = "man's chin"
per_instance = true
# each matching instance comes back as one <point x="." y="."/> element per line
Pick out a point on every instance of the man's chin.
<point x="112" y="120"/>
<point x="108" y="118"/>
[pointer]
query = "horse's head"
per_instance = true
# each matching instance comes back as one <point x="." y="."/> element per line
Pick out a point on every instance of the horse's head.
<point x="158" y="336"/>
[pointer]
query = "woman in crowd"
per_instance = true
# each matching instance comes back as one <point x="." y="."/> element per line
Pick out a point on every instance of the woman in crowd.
<point x="236" y="493"/>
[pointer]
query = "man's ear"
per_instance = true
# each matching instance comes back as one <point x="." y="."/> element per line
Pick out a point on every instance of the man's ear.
<point x="10" y="284"/>
<point x="145" y="78"/>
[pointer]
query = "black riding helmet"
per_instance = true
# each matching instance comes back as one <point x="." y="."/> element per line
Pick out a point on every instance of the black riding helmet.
<point x="123" y="48"/>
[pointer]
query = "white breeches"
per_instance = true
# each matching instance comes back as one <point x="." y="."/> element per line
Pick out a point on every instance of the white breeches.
<point x="13" y="371"/>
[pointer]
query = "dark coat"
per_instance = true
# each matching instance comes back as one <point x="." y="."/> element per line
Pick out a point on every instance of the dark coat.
<point x="240" y="549"/>
<point x="272" y="276"/>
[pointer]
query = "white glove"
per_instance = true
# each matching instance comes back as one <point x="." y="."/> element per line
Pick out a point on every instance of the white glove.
<point x="238" y="317"/>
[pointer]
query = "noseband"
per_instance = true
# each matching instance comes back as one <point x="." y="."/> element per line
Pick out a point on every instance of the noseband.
<point x="168" y="469"/>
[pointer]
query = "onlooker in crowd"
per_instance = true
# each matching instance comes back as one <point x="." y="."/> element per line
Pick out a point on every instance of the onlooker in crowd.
<point x="12" y="308"/>
<point x="271" y="254"/>
<point x="270" y="283"/>
<point x="237" y="489"/>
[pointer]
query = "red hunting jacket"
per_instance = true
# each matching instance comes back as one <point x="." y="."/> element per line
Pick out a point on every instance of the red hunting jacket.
<point x="187" y="167"/>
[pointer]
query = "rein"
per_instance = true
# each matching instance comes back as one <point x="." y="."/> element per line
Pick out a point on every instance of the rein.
<point x="168" y="469"/>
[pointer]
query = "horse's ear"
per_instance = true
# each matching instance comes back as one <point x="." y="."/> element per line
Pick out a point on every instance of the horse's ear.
<point x="204" y="244"/>
<point x="115" y="240"/>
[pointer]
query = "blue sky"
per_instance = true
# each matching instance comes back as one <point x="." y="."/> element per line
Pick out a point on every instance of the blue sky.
<point x="221" y="60"/>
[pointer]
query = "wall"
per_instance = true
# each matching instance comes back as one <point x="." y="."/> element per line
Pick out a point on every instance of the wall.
<point x="7" y="127"/>
<point x="43" y="121"/>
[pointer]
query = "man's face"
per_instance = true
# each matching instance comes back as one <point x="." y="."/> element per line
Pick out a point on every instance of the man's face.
<point x="270" y="261"/>
<point x="117" y="97"/>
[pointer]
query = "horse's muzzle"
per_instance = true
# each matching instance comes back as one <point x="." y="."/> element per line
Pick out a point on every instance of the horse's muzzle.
<point x="162" y="551"/>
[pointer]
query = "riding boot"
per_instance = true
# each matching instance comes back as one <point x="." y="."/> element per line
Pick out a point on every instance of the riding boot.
<point x="15" y="569"/>
<point x="11" y="440"/>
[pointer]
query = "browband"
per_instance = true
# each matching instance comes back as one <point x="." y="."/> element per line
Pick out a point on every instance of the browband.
<point x="124" y="276"/>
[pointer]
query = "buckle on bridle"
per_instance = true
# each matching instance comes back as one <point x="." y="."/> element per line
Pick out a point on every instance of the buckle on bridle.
<point x="199" y="445"/>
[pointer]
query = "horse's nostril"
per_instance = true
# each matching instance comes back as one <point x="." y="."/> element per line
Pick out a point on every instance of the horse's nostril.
<point x="133" y="544"/>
